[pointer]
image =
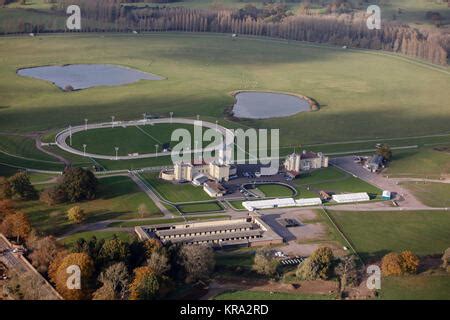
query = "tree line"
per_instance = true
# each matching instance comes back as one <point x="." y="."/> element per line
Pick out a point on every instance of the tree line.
<point x="272" y="20"/>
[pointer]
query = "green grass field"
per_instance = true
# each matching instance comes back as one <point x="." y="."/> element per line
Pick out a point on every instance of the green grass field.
<point x="355" y="104"/>
<point x="422" y="163"/>
<point x="128" y="224"/>
<point x="118" y="198"/>
<point x="373" y="234"/>
<point x="200" y="207"/>
<point x="351" y="86"/>
<point x="275" y="190"/>
<point x="332" y="180"/>
<point x="175" y="193"/>
<point x="431" y="194"/>
<point x="106" y="235"/>
<point x="140" y="139"/>
<point x="421" y="287"/>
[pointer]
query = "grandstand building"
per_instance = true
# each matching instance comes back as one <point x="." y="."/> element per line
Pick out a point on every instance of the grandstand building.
<point x="305" y="161"/>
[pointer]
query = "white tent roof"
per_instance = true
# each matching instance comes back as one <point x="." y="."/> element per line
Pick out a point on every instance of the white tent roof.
<point x="351" y="197"/>
<point x="308" y="202"/>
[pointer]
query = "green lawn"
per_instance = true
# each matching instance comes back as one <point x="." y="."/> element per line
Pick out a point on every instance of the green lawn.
<point x="118" y="198"/>
<point x="431" y="194"/>
<point x="135" y="139"/>
<point x="356" y="103"/>
<point x="421" y="163"/>
<point x="419" y="287"/>
<point x="237" y="204"/>
<point x="262" y="295"/>
<point x="374" y="234"/>
<point x="128" y="224"/>
<point x="184" y="192"/>
<point x="331" y="180"/>
<point x="200" y="207"/>
<point x="70" y="240"/>
<point x="275" y="190"/>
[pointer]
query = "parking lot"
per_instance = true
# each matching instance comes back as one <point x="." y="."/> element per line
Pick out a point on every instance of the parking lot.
<point x="303" y="239"/>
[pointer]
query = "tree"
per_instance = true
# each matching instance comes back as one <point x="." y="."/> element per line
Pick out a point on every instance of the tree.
<point x="79" y="184"/>
<point x="53" y="195"/>
<point x="409" y="262"/>
<point x="145" y="285"/>
<point x="59" y="276"/>
<point x="398" y="264"/>
<point x="114" y="250"/>
<point x="91" y="247"/>
<point x="159" y="262"/>
<point x="5" y="189"/>
<point x="385" y="151"/>
<point x="75" y="214"/>
<point x="197" y="260"/>
<point x="21" y="186"/>
<point x="6" y="208"/>
<point x="317" y="266"/>
<point x="16" y="225"/>
<point x="391" y="265"/>
<point x="446" y="260"/>
<point x="152" y="245"/>
<point x="115" y="283"/>
<point x="346" y="270"/>
<point x="264" y="263"/>
<point x="44" y="251"/>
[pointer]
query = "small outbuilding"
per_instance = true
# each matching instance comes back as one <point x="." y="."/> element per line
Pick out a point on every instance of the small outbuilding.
<point x="386" y="195"/>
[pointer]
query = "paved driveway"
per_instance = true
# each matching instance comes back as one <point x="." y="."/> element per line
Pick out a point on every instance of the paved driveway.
<point x="403" y="195"/>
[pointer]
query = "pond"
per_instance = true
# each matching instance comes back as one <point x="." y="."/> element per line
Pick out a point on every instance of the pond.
<point x="83" y="76"/>
<point x="264" y="105"/>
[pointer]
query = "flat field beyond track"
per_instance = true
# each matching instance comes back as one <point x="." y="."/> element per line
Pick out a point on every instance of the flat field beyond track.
<point x="362" y="94"/>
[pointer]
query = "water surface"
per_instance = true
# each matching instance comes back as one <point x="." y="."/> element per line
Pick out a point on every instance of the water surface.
<point x="83" y="76"/>
<point x="264" y="105"/>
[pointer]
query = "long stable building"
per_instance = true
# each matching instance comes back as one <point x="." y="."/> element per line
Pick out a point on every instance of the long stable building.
<point x="250" y="231"/>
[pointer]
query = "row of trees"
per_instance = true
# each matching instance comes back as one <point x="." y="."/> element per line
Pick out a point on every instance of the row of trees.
<point x="117" y="270"/>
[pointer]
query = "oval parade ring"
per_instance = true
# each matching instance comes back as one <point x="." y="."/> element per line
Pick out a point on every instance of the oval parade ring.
<point x="61" y="137"/>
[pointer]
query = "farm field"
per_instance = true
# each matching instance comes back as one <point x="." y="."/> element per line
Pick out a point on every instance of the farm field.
<point x="117" y="198"/>
<point x="373" y="234"/>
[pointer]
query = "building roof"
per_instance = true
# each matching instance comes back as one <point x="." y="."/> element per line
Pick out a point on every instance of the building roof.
<point x="308" y="155"/>
<point x="308" y="202"/>
<point x="180" y="231"/>
<point x="351" y="197"/>
<point x="215" y="186"/>
<point x="218" y="236"/>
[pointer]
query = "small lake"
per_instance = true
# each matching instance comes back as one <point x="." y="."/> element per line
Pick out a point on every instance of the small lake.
<point x="83" y="76"/>
<point x="264" y="105"/>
